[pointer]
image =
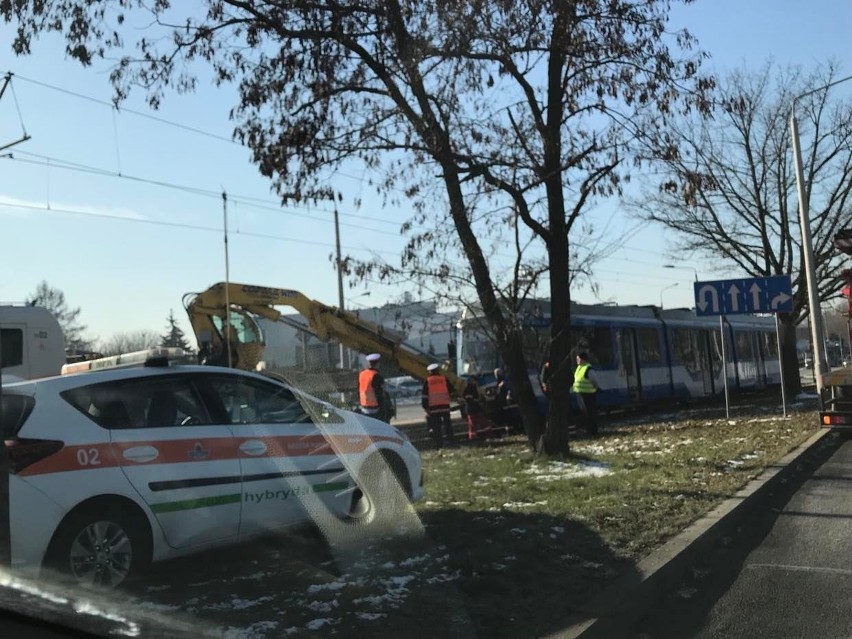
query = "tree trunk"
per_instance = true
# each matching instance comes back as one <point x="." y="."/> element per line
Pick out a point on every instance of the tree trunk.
<point x="509" y="342"/>
<point x="790" y="356"/>
<point x="512" y="352"/>
<point x="555" y="441"/>
<point x="556" y="434"/>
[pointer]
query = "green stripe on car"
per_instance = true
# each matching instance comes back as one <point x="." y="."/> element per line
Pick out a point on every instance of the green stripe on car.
<point x="221" y="500"/>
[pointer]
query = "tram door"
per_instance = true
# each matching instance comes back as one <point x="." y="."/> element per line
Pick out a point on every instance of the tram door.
<point x="629" y="367"/>
<point x="759" y="358"/>
<point x="707" y="365"/>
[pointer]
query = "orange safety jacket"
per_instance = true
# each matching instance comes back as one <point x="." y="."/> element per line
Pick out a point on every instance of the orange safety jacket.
<point x="366" y="392"/>
<point x="438" y="394"/>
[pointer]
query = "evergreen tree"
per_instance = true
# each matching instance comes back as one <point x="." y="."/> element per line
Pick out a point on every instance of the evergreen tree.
<point x="53" y="299"/>
<point x="174" y="334"/>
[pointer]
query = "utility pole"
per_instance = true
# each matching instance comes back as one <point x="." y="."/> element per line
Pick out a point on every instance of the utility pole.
<point x="817" y="335"/>
<point x="5" y="521"/>
<point x="227" y="324"/>
<point x="344" y="353"/>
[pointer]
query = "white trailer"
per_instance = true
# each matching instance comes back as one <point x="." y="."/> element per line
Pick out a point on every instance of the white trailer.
<point x="31" y="343"/>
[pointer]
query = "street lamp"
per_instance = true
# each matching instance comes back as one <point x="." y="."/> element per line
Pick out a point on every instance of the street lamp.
<point x="820" y="364"/>
<point x="663" y="291"/>
<point x="683" y="268"/>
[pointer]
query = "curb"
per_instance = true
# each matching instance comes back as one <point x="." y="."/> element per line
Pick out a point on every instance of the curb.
<point x="612" y="612"/>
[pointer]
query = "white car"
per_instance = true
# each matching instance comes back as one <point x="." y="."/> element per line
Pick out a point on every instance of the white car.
<point x="112" y="469"/>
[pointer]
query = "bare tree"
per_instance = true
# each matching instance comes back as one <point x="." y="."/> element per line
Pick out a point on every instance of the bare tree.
<point x="727" y="186"/>
<point x="531" y="106"/>
<point x="129" y="342"/>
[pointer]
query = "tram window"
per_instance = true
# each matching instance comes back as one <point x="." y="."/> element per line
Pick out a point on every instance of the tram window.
<point x="596" y="341"/>
<point x="686" y="347"/>
<point x="770" y="346"/>
<point x="649" y="345"/>
<point x="745" y="353"/>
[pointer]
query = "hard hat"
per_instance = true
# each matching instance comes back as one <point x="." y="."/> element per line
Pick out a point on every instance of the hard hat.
<point x="373" y="357"/>
<point x="433" y="367"/>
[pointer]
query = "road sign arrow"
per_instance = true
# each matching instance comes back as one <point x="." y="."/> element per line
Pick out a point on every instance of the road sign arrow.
<point x="755" y="291"/>
<point x="702" y="298"/>
<point x="734" y="295"/>
<point x="779" y="300"/>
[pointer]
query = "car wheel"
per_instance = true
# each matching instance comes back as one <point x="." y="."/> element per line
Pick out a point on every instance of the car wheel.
<point x="384" y="491"/>
<point x="100" y="547"/>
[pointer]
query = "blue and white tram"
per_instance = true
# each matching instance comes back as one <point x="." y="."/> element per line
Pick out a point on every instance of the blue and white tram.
<point x="642" y="354"/>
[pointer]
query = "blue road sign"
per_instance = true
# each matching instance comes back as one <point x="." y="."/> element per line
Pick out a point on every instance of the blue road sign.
<point x="743" y="296"/>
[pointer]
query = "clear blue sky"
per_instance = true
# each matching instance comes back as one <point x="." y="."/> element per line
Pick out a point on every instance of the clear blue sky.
<point x="127" y="273"/>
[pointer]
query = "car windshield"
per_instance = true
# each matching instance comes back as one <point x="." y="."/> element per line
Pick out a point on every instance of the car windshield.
<point x="425" y="318"/>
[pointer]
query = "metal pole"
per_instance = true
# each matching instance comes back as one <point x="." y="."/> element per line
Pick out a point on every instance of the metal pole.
<point x="5" y="517"/>
<point x="227" y="324"/>
<point x="820" y="364"/>
<point x="344" y="359"/>
<point x="780" y="365"/>
<point x="724" y="367"/>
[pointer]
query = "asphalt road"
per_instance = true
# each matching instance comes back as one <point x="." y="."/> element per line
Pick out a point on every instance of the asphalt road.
<point x="787" y="573"/>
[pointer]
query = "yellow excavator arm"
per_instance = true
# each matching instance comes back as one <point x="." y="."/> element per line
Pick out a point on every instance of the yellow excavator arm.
<point x="206" y="312"/>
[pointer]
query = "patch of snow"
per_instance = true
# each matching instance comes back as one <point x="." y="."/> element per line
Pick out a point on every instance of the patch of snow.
<point x="370" y="616"/>
<point x="258" y="629"/>
<point x="240" y="604"/>
<point x="332" y="585"/>
<point x="411" y="561"/>
<point x="316" y="624"/>
<point x="555" y="471"/>
<point x="444" y="577"/>
<point x="524" y="504"/>
<point x="518" y="531"/>
<point x="322" y="606"/>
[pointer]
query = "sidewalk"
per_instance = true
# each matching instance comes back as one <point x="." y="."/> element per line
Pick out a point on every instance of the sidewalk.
<point x="613" y="612"/>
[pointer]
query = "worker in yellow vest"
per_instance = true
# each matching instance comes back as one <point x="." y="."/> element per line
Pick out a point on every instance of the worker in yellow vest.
<point x="586" y="388"/>
<point x="436" y="403"/>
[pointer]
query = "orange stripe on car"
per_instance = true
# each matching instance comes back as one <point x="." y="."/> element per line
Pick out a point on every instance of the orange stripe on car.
<point x="179" y="451"/>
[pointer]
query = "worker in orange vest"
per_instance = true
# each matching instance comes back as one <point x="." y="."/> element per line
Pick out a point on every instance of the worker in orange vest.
<point x="371" y="389"/>
<point x="436" y="403"/>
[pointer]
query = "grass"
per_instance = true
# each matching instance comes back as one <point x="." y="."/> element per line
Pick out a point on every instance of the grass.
<point x="532" y="539"/>
<point x="503" y="545"/>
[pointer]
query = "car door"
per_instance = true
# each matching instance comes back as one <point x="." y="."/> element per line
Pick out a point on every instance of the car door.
<point x="182" y="464"/>
<point x="288" y="466"/>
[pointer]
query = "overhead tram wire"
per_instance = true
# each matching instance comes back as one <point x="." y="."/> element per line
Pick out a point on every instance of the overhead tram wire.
<point x="55" y="163"/>
<point x="215" y="136"/>
<point x="167" y="122"/>
<point x="247" y="200"/>
<point x="192" y="227"/>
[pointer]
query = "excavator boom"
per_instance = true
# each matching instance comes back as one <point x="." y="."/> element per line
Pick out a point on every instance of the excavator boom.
<point x="206" y="312"/>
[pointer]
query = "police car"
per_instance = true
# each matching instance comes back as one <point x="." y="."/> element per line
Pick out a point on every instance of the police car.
<point x="112" y="469"/>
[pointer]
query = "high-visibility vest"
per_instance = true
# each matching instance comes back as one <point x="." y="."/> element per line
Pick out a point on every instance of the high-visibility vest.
<point x="439" y="392"/>
<point x="581" y="383"/>
<point x="366" y="392"/>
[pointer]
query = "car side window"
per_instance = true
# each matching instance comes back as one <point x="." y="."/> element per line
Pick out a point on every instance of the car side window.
<point x="251" y="401"/>
<point x="155" y="402"/>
